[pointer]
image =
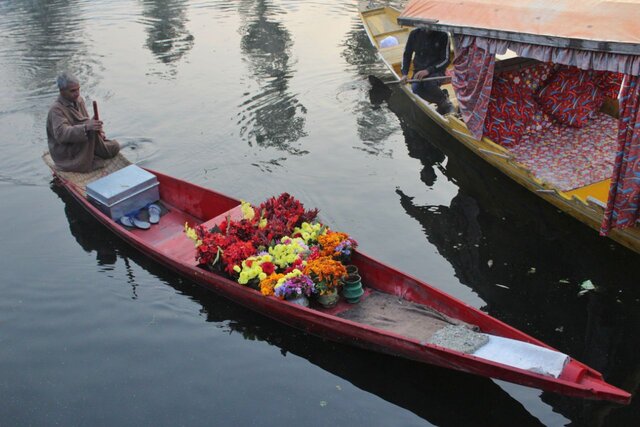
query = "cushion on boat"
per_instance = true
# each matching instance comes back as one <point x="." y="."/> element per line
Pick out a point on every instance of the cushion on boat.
<point x="568" y="157"/>
<point x="571" y="97"/>
<point x="523" y="355"/>
<point x="609" y="83"/>
<point x="509" y="113"/>
<point x="532" y="77"/>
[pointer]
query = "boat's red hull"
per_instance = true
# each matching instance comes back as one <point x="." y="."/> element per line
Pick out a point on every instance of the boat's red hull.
<point x="190" y="203"/>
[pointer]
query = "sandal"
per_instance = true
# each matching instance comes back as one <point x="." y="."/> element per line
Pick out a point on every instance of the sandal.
<point x="154" y="213"/>
<point x="133" y="222"/>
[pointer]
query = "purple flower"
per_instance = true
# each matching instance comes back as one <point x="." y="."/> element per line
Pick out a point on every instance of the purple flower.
<point x="346" y="246"/>
<point x="296" y="286"/>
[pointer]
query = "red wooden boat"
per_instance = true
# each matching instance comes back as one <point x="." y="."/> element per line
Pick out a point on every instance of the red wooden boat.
<point x="167" y="243"/>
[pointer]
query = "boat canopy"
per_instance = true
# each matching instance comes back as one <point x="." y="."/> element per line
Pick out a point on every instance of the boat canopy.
<point x="595" y="25"/>
<point x="600" y="35"/>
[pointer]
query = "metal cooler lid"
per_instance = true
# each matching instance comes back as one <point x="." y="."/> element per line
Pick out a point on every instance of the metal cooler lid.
<point x="121" y="184"/>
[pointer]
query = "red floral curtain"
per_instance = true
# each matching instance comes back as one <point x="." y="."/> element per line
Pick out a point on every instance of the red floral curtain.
<point x="472" y="79"/>
<point x="624" y="193"/>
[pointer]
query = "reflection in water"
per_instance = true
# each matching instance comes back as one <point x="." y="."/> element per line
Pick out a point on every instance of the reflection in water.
<point x="168" y="37"/>
<point x="375" y="125"/>
<point x="39" y="39"/>
<point x="510" y="251"/>
<point x="435" y="394"/>
<point x="271" y="116"/>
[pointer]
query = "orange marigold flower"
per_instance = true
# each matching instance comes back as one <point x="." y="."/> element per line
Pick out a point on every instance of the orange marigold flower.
<point x="330" y="240"/>
<point x="325" y="269"/>
<point x="267" y="285"/>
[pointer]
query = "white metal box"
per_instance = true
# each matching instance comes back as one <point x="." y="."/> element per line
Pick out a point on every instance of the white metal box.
<point x="124" y="192"/>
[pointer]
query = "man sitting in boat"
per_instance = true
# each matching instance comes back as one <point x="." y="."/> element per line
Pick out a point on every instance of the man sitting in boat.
<point x="430" y="53"/>
<point x="77" y="143"/>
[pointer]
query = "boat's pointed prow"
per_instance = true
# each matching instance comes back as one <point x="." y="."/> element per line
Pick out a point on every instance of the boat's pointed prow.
<point x="601" y="390"/>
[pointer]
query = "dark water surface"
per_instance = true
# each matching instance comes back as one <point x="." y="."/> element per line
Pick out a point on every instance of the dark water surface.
<point x="254" y="98"/>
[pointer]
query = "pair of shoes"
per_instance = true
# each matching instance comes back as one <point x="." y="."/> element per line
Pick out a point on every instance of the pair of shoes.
<point x="154" y="213"/>
<point x="132" y="221"/>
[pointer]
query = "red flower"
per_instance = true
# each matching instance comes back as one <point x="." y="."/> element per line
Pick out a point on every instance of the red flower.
<point x="268" y="268"/>
<point x="235" y="253"/>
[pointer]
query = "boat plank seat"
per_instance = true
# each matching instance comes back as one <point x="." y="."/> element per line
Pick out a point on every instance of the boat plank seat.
<point x="234" y="213"/>
<point x="178" y="245"/>
<point x="401" y="34"/>
<point x="180" y="248"/>
<point x="393" y="55"/>
<point x="380" y="23"/>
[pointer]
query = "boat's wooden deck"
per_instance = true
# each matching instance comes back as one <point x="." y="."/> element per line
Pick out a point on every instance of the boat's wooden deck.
<point x="80" y="180"/>
<point x="597" y="193"/>
<point x="168" y="235"/>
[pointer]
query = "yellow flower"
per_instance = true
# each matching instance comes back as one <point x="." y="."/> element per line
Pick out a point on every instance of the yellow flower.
<point x="244" y="278"/>
<point x="310" y="232"/>
<point x="191" y="233"/>
<point x="263" y="223"/>
<point x="247" y="210"/>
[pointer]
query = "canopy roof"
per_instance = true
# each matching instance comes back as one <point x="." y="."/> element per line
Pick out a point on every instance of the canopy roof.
<point x="596" y="25"/>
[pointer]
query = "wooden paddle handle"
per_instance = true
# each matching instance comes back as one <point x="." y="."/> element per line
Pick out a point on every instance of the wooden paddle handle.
<point x="418" y="80"/>
<point x="96" y="116"/>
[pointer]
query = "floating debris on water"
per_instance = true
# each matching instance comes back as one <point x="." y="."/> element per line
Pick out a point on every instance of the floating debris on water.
<point x="587" y="286"/>
<point x="490" y="263"/>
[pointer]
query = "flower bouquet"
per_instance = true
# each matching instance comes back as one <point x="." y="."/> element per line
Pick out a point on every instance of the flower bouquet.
<point x="278" y="248"/>
<point x="296" y="286"/>
<point x="288" y="252"/>
<point x="253" y="269"/>
<point x="326" y="274"/>
<point x="309" y="232"/>
<point x="337" y="245"/>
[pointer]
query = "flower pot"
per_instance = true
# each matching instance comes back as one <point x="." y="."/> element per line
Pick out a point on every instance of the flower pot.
<point x="299" y="299"/>
<point x="352" y="288"/>
<point x="351" y="269"/>
<point x="330" y="299"/>
<point x="344" y="259"/>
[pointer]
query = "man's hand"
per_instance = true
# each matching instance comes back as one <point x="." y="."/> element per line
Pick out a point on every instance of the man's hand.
<point x="421" y="74"/>
<point x="403" y="79"/>
<point x="93" y="124"/>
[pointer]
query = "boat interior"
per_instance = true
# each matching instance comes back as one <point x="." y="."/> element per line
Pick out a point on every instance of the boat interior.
<point x="380" y="309"/>
<point x="391" y="302"/>
<point x="576" y="160"/>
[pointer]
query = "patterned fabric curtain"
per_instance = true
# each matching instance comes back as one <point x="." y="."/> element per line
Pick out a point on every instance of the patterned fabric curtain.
<point x="584" y="59"/>
<point x="472" y="79"/>
<point x="624" y="193"/>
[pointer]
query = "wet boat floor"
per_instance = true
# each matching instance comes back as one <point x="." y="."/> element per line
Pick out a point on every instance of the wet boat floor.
<point x="394" y="314"/>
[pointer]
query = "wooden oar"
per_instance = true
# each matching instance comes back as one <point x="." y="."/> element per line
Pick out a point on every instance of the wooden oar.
<point x="426" y="79"/>
<point x="376" y="82"/>
<point x="95" y="110"/>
